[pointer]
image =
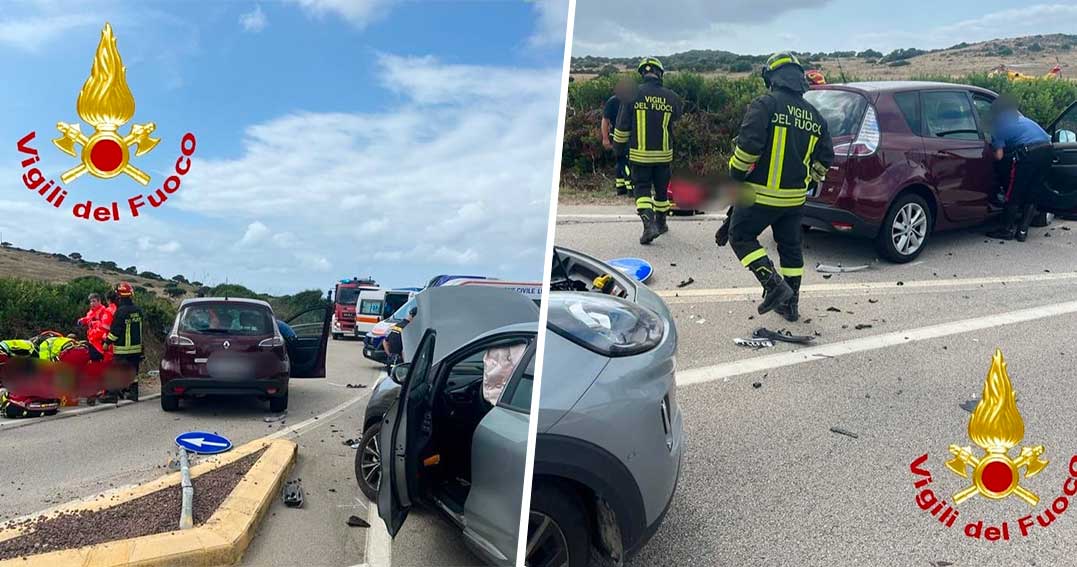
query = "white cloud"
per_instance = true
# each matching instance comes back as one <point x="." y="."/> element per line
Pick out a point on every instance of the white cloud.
<point x="358" y="13"/>
<point x="552" y="21"/>
<point x="254" y="21"/>
<point x="256" y="232"/>
<point x="30" y="33"/>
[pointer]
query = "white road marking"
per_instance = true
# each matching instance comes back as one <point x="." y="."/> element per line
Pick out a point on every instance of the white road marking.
<point x="313" y="423"/>
<point x="916" y="286"/>
<point x="841" y="348"/>
<point x="379" y="545"/>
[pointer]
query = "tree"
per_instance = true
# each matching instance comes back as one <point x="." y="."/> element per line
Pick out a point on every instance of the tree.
<point x="179" y="278"/>
<point x="174" y="291"/>
<point x="151" y="276"/>
<point x="108" y="265"/>
<point x="131" y="270"/>
<point x="75" y="256"/>
<point x="869" y="54"/>
<point x="5" y="244"/>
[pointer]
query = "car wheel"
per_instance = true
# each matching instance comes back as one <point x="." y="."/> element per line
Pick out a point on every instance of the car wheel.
<point x="169" y="403"/>
<point x="368" y="461"/>
<point x="1042" y="219"/>
<point x="277" y="405"/>
<point x="905" y="229"/>
<point x="557" y="530"/>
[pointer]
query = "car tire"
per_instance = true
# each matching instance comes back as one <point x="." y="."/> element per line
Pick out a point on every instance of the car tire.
<point x="905" y="229"/>
<point x="1042" y="219"/>
<point x="368" y="461"/>
<point x="169" y="403"/>
<point x="279" y="404"/>
<point x="557" y="524"/>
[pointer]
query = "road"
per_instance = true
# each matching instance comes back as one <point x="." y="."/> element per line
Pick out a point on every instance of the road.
<point x="766" y="482"/>
<point x="52" y="461"/>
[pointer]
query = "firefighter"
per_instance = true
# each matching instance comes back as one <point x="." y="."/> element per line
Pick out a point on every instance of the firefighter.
<point x="1025" y="152"/>
<point x="644" y="133"/>
<point x="394" y="341"/>
<point x="782" y="149"/>
<point x="125" y="336"/>
<point x="622" y="92"/>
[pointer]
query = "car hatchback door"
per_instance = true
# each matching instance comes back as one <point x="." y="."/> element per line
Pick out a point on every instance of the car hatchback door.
<point x="405" y="431"/>
<point x="958" y="158"/>
<point x="1061" y="191"/>
<point x="306" y="350"/>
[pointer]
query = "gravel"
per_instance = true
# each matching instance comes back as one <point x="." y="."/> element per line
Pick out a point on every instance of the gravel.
<point x="154" y="513"/>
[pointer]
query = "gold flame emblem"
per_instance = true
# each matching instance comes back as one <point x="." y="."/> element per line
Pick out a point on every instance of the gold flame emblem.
<point x="105" y="102"/>
<point x="996" y="426"/>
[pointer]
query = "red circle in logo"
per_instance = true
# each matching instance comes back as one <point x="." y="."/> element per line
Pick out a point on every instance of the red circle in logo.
<point x="997" y="477"/>
<point x="106" y="155"/>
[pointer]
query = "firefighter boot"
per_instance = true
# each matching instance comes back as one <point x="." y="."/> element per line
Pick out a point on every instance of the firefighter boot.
<point x="650" y="226"/>
<point x="775" y="291"/>
<point x="1026" y="221"/>
<point x="660" y="222"/>
<point x="791" y="309"/>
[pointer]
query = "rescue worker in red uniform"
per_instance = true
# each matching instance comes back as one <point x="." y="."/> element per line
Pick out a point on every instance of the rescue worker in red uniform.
<point x="96" y="322"/>
<point x="783" y="148"/>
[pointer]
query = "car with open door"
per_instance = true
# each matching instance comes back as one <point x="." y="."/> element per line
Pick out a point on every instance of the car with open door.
<point x="1060" y="195"/>
<point x="455" y="439"/>
<point x="610" y="433"/>
<point x="224" y="346"/>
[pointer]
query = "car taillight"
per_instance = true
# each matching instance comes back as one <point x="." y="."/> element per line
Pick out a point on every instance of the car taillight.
<point x="177" y="340"/>
<point x="271" y="342"/>
<point x="867" y="139"/>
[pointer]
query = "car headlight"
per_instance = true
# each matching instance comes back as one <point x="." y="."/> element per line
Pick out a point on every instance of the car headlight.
<point x="604" y="324"/>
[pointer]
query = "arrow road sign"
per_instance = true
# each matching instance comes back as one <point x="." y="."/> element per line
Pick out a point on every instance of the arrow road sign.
<point x="203" y="443"/>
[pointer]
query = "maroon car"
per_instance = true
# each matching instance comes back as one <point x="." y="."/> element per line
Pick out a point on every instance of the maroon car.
<point x="914" y="157"/>
<point x="237" y="347"/>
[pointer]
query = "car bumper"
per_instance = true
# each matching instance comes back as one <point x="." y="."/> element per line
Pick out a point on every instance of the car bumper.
<point x="269" y="387"/>
<point x="375" y="354"/>
<point x="831" y="219"/>
<point x="677" y="455"/>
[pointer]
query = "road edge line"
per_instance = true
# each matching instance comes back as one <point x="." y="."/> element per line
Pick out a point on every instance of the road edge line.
<point x="379" y="544"/>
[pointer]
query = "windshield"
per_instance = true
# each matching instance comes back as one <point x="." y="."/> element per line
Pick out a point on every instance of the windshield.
<point x="841" y="109"/>
<point x="226" y="318"/>
<point x="399" y="314"/>
<point x="393" y="301"/>
<point x="347" y="295"/>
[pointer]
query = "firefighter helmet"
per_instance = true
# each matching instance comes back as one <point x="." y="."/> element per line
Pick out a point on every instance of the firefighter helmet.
<point x="124" y="289"/>
<point x="650" y="65"/>
<point x="777" y="61"/>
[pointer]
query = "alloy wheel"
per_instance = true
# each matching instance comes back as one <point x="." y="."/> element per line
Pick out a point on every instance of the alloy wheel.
<point x="909" y="229"/>
<point x="371" y="463"/>
<point x="546" y="543"/>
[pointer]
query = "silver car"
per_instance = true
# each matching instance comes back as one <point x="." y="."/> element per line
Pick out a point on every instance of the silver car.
<point x="456" y="436"/>
<point x="610" y="434"/>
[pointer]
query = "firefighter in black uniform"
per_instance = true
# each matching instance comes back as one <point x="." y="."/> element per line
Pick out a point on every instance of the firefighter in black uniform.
<point x="783" y="148"/>
<point x="644" y="131"/>
<point x="125" y="336"/>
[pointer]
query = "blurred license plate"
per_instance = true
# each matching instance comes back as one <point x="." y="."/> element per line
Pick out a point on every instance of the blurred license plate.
<point x="230" y="368"/>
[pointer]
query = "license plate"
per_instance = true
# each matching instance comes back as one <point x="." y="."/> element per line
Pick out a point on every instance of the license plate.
<point x="230" y="368"/>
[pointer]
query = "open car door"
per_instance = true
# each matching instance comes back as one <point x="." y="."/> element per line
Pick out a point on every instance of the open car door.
<point x="405" y="431"/>
<point x="306" y="350"/>
<point x="1060" y="194"/>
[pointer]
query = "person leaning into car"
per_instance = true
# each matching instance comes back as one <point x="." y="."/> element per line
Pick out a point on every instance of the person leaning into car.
<point x="1027" y="147"/>
<point x="394" y="341"/>
<point x="782" y="148"/>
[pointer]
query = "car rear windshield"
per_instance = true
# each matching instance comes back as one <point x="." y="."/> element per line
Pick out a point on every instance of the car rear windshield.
<point x="370" y="307"/>
<point x="841" y="109"/>
<point x="226" y="319"/>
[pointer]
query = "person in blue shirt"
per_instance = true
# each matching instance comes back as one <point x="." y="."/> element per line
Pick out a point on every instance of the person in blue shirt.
<point x="1027" y="148"/>
<point x="624" y="91"/>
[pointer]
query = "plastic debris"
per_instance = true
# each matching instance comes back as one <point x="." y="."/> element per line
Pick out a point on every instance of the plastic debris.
<point x="687" y="282"/>
<point x="292" y="494"/>
<point x="355" y="386"/>
<point x="357" y="522"/>
<point x="278" y="417"/>
<point x="862" y="326"/>
<point x="753" y="343"/>
<point x="845" y="432"/>
<point x="781" y="335"/>
<point x="839" y="269"/>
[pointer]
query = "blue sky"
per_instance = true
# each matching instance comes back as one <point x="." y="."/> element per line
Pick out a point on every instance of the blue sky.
<point x="639" y="27"/>
<point x="335" y="137"/>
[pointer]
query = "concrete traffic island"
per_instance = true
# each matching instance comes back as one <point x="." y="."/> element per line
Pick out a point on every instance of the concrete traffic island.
<point x="139" y="526"/>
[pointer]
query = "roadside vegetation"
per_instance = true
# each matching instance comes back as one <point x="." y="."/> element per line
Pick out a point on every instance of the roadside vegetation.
<point x="714" y="106"/>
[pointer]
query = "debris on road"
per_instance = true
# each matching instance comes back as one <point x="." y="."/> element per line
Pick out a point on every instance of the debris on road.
<point x="833" y="309"/>
<point x="292" y="493"/>
<point x="969" y="406"/>
<point x="862" y="326"/>
<point x="278" y="417"/>
<point x="357" y="522"/>
<point x="753" y="343"/>
<point x="757" y="385"/>
<point x="701" y="320"/>
<point x="687" y="282"/>
<point x="872" y="300"/>
<point x="839" y="269"/>
<point x="845" y="432"/>
<point x="781" y="335"/>
<point x="903" y="283"/>
<point x="355" y="386"/>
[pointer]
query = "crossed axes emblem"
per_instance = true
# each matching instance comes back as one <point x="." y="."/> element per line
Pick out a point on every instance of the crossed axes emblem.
<point x="964" y="459"/>
<point x="139" y="137"/>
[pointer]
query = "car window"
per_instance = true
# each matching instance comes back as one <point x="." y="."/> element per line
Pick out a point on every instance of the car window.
<point x="370" y="307"/>
<point x="308" y="323"/>
<point x="909" y="103"/>
<point x="1065" y="130"/>
<point x="518" y="396"/>
<point x="949" y="114"/>
<point x="841" y="109"/>
<point x="222" y="318"/>
<point x="983" y="112"/>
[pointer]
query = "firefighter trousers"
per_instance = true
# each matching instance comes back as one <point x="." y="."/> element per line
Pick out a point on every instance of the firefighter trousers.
<point x="623" y="176"/>
<point x="648" y="178"/>
<point x="785" y="224"/>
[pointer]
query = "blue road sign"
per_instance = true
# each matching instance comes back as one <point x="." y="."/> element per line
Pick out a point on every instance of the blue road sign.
<point x="203" y="443"/>
<point x="636" y="268"/>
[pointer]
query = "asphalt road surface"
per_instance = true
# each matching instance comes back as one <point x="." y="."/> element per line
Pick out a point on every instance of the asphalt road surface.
<point x="52" y="461"/>
<point x="765" y="480"/>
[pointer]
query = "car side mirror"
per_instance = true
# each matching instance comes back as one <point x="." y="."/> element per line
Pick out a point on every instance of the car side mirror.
<point x="1065" y="137"/>
<point x="399" y="373"/>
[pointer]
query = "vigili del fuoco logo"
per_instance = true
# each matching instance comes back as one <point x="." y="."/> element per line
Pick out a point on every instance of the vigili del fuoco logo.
<point x="105" y="104"/>
<point x="996" y="428"/>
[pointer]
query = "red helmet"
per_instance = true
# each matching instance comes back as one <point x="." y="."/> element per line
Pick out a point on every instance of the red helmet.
<point x="124" y="289"/>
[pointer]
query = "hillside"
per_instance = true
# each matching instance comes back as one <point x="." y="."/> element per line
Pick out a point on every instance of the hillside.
<point x="1029" y="55"/>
